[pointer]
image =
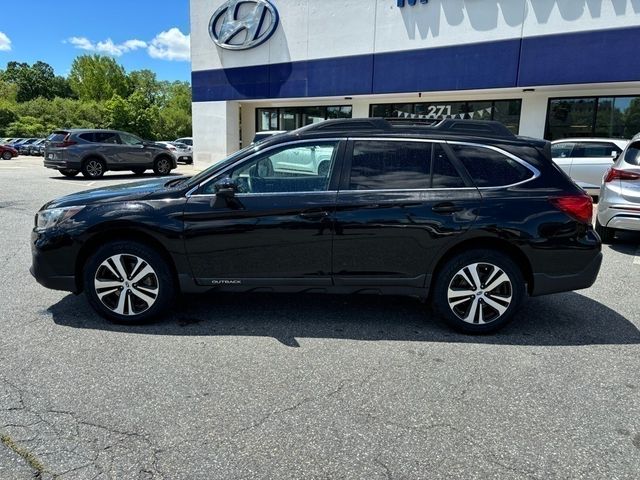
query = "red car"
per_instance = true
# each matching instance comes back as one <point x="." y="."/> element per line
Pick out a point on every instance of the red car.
<point x="7" y="152"/>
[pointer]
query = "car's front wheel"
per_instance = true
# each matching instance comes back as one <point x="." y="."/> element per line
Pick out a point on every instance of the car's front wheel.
<point x="7" y="155"/>
<point x="69" y="173"/>
<point x="479" y="291"/>
<point x="128" y="282"/>
<point x="162" y="166"/>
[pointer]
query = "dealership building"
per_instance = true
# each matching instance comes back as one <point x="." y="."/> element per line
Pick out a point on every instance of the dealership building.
<point x="544" y="68"/>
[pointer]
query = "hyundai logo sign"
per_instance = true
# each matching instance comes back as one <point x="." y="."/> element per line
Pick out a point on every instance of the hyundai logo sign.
<point x="243" y="24"/>
<point x="401" y="3"/>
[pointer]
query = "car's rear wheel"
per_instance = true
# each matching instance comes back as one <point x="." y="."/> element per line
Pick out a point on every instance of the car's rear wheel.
<point x="7" y="155"/>
<point x="162" y="166"/>
<point x="93" y="168"/>
<point x="139" y="171"/>
<point x="479" y="291"/>
<point x="128" y="282"/>
<point x="606" y="234"/>
<point x="69" y="173"/>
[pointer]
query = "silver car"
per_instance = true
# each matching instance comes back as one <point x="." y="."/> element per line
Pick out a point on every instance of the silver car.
<point x="619" y="206"/>
<point x="586" y="160"/>
<point x="181" y="152"/>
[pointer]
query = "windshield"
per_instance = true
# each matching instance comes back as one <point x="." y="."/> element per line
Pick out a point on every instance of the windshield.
<point x="193" y="181"/>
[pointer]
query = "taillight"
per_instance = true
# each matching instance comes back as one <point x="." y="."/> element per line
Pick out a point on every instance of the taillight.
<point x="616" y="174"/>
<point x="579" y="207"/>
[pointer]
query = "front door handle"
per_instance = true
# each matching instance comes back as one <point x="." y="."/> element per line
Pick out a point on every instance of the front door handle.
<point x="447" y="207"/>
<point x="314" y="214"/>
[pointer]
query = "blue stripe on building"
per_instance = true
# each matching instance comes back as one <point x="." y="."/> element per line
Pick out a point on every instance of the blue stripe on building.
<point x="574" y="58"/>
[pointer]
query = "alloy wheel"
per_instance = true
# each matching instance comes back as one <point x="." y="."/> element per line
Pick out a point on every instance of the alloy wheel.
<point x="126" y="284"/>
<point x="164" y="167"/>
<point x="480" y="293"/>
<point x="94" y="168"/>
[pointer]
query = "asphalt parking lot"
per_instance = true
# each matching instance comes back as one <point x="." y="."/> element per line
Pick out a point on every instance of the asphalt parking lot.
<point x="278" y="386"/>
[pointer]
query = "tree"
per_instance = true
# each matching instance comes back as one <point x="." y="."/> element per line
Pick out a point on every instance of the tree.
<point x="99" y="78"/>
<point x="33" y="81"/>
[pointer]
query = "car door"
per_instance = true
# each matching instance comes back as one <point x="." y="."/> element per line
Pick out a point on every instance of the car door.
<point x="561" y="153"/>
<point x="133" y="152"/>
<point x="590" y="162"/>
<point x="275" y="229"/>
<point x="401" y="203"/>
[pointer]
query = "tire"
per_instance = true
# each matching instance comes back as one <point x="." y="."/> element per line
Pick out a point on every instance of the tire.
<point x="606" y="234"/>
<point x="69" y="173"/>
<point x="147" y="296"/>
<point x="162" y="166"/>
<point x="507" y="296"/>
<point x="138" y="171"/>
<point x="7" y="155"/>
<point x="93" y="168"/>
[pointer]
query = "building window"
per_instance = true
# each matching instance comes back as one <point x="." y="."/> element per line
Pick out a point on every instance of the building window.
<point x="505" y="111"/>
<point x="292" y="118"/>
<point x="609" y="117"/>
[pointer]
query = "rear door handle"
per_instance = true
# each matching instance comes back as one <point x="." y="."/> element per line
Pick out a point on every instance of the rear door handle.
<point x="314" y="214"/>
<point x="447" y="207"/>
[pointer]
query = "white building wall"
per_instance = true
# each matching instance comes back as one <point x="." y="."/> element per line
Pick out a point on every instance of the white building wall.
<point x="314" y="29"/>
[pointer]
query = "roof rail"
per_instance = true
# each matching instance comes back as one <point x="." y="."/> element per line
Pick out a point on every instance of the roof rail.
<point x="480" y="128"/>
<point x="349" y="124"/>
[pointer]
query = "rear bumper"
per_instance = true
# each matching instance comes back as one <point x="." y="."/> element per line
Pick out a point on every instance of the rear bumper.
<point x="544" y="284"/>
<point x="61" y="165"/>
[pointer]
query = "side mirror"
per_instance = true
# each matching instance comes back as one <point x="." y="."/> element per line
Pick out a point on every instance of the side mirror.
<point x="614" y="155"/>
<point x="226" y="187"/>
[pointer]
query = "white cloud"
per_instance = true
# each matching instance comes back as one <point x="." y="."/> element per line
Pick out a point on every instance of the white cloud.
<point x="107" y="46"/>
<point x="171" y="45"/>
<point x="5" y="42"/>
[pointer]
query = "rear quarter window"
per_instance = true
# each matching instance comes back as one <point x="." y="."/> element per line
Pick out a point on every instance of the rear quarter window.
<point x="489" y="168"/>
<point x="57" y="136"/>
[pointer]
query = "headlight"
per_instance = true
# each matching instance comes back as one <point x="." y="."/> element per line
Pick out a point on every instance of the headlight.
<point x="50" y="218"/>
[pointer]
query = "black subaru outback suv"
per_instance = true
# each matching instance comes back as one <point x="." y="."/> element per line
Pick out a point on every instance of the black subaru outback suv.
<point x="463" y="213"/>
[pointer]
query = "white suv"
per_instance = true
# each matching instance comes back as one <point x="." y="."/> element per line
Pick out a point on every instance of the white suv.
<point x="586" y="160"/>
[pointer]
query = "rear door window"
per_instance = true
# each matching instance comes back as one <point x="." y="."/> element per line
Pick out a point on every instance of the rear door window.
<point x="107" y="137"/>
<point x="390" y="165"/>
<point x="444" y="173"/>
<point x="562" y="150"/>
<point x="489" y="168"/>
<point x="88" y="137"/>
<point x="596" y="150"/>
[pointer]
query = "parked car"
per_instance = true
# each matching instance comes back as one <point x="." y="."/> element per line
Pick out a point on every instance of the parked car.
<point x="185" y="140"/>
<point x="619" y="205"/>
<point x="586" y="160"/>
<point x="94" y="152"/>
<point x="16" y="142"/>
<point x="24" y="147"/>
<point x="464" y="213"/>
<point x="37" y="147"/>
<point x="182" y="153"/>
<point x="7" y="152"/>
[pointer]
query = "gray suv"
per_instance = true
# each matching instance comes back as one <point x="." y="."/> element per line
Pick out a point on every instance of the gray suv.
<point x="94" y="152"/>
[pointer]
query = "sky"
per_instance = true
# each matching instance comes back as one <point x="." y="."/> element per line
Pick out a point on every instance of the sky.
<point x="149" y="34"/>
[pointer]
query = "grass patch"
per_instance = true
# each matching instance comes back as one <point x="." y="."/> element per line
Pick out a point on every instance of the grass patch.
<point x="29" y="457"/>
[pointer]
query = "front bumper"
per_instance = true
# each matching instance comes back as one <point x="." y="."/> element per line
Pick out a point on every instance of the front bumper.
<point x="53" y="260"/>
<point x="544" y="284"/>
